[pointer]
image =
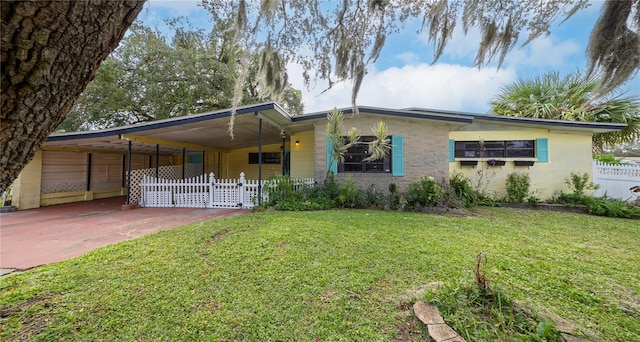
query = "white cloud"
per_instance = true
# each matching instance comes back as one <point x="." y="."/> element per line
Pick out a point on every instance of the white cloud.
<point x="441" y="86"/>
<point x="544" y="53"/>
<point x="408" y="58"/>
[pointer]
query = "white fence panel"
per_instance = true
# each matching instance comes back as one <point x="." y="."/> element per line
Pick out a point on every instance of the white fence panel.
<point x="616" y="181"/>
<point x="192" y="192"/>
<point x="225" y="193"/>
<point x="251" y="194"/>
<point x="200" y="192"/>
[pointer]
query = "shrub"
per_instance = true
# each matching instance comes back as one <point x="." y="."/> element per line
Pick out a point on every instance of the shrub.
<point x="348" y="194"/>
<point x="280" y="188"/>
<point x="331" y="188"/>
<point x="373" y="198"/>
<point x="579" y="184"/>
<point x="610" y="207"/>
<point x="517" y="187"/>
<point x="463" y="190"/>
<point x="609" y="159"/>
<point x="424" y="193"/>
<point x="395" y="200"/>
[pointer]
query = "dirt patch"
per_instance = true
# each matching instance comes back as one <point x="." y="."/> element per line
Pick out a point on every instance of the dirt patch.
<point x="410" y="330"/>
<point x="217" y="236"/>
<point x="202" y="251"/>
<point x="578" y="208"/>
<point x="31" y="325"/>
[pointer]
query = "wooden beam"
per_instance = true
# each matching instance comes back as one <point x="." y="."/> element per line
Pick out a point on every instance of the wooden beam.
<point x="78" y="149"/>
<point x="93" y="150"/>
<point x="157" y="141"/>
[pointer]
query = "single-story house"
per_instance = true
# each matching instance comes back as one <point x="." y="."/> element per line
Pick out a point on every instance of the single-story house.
<point x="267" y="140"/>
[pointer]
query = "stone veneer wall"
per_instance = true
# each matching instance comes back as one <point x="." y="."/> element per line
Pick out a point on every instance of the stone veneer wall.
<point x="426" y="150"/>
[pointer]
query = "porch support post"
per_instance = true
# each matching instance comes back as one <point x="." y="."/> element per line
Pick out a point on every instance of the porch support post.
<point x="184" y="160"/>
<point x="259" y="161"/>
<point x="124" y="170"/>
<point x="88" y="171"/>
<point x="129" y="173"/>
<point x="283" y="152"/>
<point x="203" y="162"/>
<point x="157" y="159"/>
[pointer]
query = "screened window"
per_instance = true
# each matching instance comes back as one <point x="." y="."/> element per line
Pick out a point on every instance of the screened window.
<point x="495" y="149"/>
<point x="354" y="159"/>
<point x="267" y="157"/>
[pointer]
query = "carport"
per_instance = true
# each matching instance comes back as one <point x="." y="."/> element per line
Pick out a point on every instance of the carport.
<point x="82" y="166"/>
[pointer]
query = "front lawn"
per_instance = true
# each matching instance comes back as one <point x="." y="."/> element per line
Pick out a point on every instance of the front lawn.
<point x="329" y="275"/>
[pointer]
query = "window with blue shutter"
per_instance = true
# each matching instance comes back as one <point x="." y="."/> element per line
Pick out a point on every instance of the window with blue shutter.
<point x="397" y="155"/>
<point x="542" y="150"/>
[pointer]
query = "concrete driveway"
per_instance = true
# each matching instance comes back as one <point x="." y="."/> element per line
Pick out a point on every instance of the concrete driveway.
<point x="46" y="235"/>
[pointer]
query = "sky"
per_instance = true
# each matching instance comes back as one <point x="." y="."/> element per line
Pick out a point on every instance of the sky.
<point x="404" y="75"/>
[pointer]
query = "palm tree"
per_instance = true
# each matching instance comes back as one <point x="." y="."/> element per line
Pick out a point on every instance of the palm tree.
<point x="574" y="97"/>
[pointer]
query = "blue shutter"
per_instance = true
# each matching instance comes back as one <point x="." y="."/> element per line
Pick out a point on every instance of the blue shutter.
<point x="452" y="150"/>
<point x="331" y="166"/>
<point x="397" y="155"/>
<point x="542" y="150"/>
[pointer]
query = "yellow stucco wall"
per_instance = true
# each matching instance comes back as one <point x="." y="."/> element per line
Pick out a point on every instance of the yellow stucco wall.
<point x="567" y="153"/>
<point x="302" y="155"/>
<point x="238" y="161"/>
<point x="26" y="188"/>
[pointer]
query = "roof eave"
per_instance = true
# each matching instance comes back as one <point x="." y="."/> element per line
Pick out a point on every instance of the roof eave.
<point x="390" y="112"/>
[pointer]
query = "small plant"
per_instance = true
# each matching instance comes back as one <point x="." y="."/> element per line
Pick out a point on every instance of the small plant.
<point x="480" y="313"/>
<point x="480" y="272"/>
<point x="482" y="179"/>
<point x="517" y="187"/>
<point x="580" y="184"/>
<point x="534" y="200"/>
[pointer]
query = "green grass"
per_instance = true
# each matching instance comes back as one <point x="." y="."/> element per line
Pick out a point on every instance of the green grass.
<point x="331" y="275"/>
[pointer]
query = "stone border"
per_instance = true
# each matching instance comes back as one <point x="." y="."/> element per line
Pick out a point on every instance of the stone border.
<point x="439" y="331"/>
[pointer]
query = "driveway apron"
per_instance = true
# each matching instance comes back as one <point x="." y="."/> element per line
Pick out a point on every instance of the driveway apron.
<point x="35" y="237"/>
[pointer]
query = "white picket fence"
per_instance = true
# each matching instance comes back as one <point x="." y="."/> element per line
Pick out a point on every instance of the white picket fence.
<point x="616" y="181"/>
<point x="206" y="192"/>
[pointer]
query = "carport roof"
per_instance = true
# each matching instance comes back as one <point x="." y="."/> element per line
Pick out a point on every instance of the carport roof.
<point x="200" y="132"/>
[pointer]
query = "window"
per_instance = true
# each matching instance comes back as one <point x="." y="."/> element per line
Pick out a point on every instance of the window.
<point x="354" y="159"/>
<point x="495" y="149"/>
<point x="267" y="157"/>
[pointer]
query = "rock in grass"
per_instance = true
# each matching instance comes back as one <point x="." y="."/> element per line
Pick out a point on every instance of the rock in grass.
<point x="427" y="313"/>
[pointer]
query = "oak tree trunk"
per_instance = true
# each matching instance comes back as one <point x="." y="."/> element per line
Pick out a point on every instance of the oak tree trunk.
<point x="50" y="52"/>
